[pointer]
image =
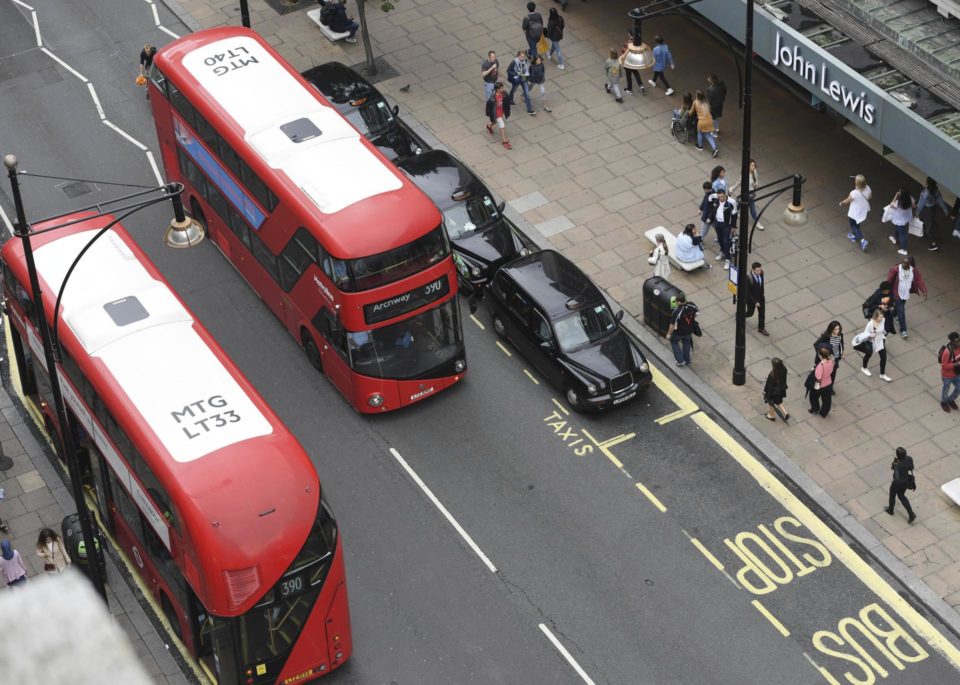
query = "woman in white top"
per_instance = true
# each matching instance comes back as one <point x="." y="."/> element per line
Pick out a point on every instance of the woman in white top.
<point x="859" y="201"/>
<point x="659" y="258"/>
<point x="901" y="211"/>
<point x="876" y="334"/>
<point x="753" y="184"/>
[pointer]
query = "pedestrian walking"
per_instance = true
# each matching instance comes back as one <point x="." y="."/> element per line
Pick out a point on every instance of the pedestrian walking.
<point x="146" y="64"/>
<point x="716" y="96"/>
<point x="899" y="212"/>
<point x="903" y="480"/>
<point x="555" y="26"/>
<point x="342" y="23"/>
<point x="660" y="258"/>
<point x="882" y="299"/>
<point x="498" y="111"/>
<point x="949" y="358"/>
<point x="690" y="246"/>
<point x="756" y="301"/>
<point x="753" y="182"/>
<point x="930" y="199"/>
<point x="718" y="179"/>
<point x="904" y="279"/>
<point x="538" y="76"/>
<point x="532" y="26"/>
<point x="821" y="394"/>
<point x="50" y="548"/>
<point x="683" y="326"/>
<point x="706" y="210"/>
<point x="859" y="203"/>
<point x="490" y="72"/>
<point x="873" y="339"/>
<point x="624" y="51"/>
<point x="701" y="108"/>
<point x="831" y="339"/>
<point x="613" y="70"/>
<point x="724" y="222"/>
<point x="775" y="391"/>
<point x="661" y="58"/>
<point x="12" y="570"/>
<point x="518" y="74"/>
<point x="955" y="217"/>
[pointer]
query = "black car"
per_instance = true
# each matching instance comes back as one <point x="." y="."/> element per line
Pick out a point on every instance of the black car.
<point x="559" y="320"/>
<point x="481" y="238"/>
<point x="365" y="108"/>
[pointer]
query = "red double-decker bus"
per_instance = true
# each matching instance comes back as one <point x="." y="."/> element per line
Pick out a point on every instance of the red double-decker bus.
<point x="203" y="487"/>
<point x="351" y="256"/>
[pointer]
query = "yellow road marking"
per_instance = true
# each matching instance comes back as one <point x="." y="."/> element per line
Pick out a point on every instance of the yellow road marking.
<point x="503" y="349"/>
<point x="833" y="542"/>
<point x="673" y="416"/>
<point x="670" y="389"/>
<point x="530" y="376"/>
<point x="560" y="406"/>
<point x="770" y="617"/>
<point x="604" y="449"/>
<point x="707" y="553"/>
<point x="477" y="321"/>
<point x="617" y="439"/>
<point x="653" y="498"/>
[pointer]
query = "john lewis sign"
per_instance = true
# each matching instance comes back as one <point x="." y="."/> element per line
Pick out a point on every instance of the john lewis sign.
<point x="817" y="73"/>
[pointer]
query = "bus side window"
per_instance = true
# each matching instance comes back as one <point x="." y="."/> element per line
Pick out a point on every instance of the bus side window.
<point x="159" y="79"/>
<point x="266" y="258"/>
<point x="330" y="329"/>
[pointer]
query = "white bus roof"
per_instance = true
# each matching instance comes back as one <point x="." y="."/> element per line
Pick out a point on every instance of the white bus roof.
<point x="146" y="339"/>
<point x="333" y="168"/>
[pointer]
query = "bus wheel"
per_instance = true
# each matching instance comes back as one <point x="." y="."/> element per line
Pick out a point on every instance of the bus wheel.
<point x="313" y="352"/>
<point x="498" y="326"/>
<point x="171" y="615"/>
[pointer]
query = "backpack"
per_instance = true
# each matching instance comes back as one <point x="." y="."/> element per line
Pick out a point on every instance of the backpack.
<point x="867" y="307"/>
<point x="326" y="14"/>
<point x="953" y="358"/>
<point x="535" y="26"/>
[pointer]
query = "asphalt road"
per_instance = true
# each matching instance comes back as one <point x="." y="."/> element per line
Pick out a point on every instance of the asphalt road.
<point x="549" y="499"/>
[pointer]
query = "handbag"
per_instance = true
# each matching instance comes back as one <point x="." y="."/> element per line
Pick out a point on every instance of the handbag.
<point x="697" y="331"/>
<point x="811" y="380"/>
<point x="911" y="482"/>
<point x="141" y="80"/>
<point x="543" y="45"/>
<point x="915" y="227"/>
<point x="887" y="214"/>
<point x="49" y="567"/>
<point x="653" y="258"/>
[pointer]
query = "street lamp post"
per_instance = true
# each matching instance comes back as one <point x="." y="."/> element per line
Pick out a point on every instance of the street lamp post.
<point x="244" y="14"/>
<point x="183" y="232"/>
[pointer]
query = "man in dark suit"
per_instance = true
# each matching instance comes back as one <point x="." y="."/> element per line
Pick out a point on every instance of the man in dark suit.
<point x="755" y="298"/>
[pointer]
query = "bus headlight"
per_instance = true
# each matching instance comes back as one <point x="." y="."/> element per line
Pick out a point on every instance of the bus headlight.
<point x="459" y="366"/>
<point x="591" y="389"/>
<point x="375" y="400"/>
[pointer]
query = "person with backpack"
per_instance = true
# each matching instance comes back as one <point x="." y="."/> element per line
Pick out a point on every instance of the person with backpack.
<point x="949" y="358"/>
<point x="775" y="391"/>
<point x="832" y="339"/>
<point x="517" y="74"/>
<point x="903" y="480"/>
<point x="613" y="70"/>
<point x="555" y="26"/>
<point x="904" y="279"/>
<point x="683" y="326"/>
<point x="532" y="26"/>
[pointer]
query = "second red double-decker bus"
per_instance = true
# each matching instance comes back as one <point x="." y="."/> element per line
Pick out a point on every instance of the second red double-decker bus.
<point x="216" y="503"/>
<point x="350" y="255"/>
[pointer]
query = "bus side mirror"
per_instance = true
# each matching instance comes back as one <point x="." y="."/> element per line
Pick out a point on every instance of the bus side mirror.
<point x="336" y="311"/>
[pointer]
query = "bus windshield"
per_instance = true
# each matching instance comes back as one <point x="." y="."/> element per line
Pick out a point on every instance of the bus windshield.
<point x="272" y="627"/>
<point x="406" y="260"/>
<point x="408" y="348"/>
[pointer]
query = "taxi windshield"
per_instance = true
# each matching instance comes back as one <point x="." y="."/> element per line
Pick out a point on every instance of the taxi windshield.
<point x="469" y="216"/>
<point x="585" y="326"/>
<point x="371" y="119"/>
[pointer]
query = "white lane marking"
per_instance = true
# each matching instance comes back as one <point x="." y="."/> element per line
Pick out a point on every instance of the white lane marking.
<point x="23" y="4"/>
<point x="36" y="28"/>
<point x="6" y="220"/>
<point x="65" y="65"/>
<point x="153" y="165"/>
<point x="566" y="655"/>
<point x="443" y="510"/>
<point x="169" y="32"/>
<point x="156" y="16"/>
<point x="96" y="101"/>
<point x="125" y="134"/>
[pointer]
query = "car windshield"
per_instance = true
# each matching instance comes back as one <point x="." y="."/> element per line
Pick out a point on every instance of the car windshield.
<point x="408" y="348"/>
<point x="471" y="215"/>
<point x="585" y="326"/>
<point x="371" y="119"/>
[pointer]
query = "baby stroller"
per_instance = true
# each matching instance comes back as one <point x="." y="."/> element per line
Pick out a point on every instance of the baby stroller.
<point x="683" y="126"/>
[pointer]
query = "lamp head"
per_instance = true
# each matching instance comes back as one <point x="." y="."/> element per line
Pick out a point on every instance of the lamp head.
<point x="182" y="234"/>
<point x="795" y="215"/>
<point x="638" y="57"/>
<point x="10" y="161"/>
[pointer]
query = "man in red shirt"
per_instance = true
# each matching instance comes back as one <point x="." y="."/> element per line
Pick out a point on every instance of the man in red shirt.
<point x="949" y="363"/>
<point x="498" y="111"/>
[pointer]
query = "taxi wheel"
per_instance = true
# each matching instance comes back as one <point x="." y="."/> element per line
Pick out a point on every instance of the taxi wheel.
<point x="500" y="329"/>
<point x="573" y="399"/>
<point x="313" y="353"/>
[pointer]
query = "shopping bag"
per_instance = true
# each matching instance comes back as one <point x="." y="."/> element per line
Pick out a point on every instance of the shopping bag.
<point x="887" y="214"/>
<point x="543" y="45"/>
<point x="916" y="227"/>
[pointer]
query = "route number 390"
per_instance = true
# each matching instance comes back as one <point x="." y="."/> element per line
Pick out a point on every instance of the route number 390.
<point x="292" y="586"/>
<point x="435" y="287"/>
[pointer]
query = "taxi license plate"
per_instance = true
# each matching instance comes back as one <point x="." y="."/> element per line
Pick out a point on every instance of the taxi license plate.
<point x="618" y="400"/>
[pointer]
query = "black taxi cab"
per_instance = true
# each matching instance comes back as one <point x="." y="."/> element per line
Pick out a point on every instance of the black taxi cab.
<point x="366" y="108"/>
<point x="560" y="321"/>
<point x="479" y="234"/>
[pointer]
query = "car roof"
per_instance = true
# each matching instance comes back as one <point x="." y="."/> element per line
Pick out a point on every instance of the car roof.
<point x="440" y="175"/>
<point x="340" y="84"/>
<point x="552" y="280"/>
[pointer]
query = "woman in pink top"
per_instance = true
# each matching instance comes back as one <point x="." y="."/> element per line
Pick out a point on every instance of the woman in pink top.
<point x="821" y="396"/>
<point x="12" y="570"/>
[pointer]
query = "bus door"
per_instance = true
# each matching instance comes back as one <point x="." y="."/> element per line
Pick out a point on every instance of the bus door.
<point x="333" y="352"/>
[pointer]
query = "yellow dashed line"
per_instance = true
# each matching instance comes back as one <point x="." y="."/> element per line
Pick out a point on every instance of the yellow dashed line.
<point x="477" y="321"/>
<point x="530" y="376"/>
<point x="707" y="553"/>
<point x="560" y="406"/>
<point x="670" y="389"/>
<point x="770" y="617"/>
<point x="602" y="448"/>
<point x="673" y="416"/>
<point x="653" y="498"/>
<point x="504" y="349"/>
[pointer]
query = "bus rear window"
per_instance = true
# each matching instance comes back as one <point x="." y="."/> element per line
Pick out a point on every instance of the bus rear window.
<point x="406" y="260"/>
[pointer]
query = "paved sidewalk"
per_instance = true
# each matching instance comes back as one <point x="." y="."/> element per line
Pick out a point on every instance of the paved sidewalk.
<point x="35" y="497"/>
<point x="592" y="176"/>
